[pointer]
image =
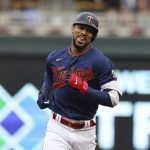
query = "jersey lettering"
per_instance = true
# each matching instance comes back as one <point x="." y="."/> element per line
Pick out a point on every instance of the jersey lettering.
<point x="59" y="75"/>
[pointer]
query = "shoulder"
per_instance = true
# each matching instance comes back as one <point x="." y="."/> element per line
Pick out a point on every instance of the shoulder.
<point x="101" y="63"/>
<point x="56" y="53"/>
<point x="100" y="57"/>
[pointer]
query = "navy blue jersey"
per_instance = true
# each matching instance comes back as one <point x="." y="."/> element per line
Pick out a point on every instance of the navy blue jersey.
<point x="91" y="66"/>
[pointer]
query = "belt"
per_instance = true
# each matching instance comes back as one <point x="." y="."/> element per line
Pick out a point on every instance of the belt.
<point x="73" y="124"/>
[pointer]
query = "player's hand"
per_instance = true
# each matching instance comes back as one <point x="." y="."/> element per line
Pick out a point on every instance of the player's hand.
<point x="43" y="99"/>
<point x="78" y="83"/>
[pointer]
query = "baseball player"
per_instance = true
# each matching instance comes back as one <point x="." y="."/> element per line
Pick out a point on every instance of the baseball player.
<point x="77" y="80"/>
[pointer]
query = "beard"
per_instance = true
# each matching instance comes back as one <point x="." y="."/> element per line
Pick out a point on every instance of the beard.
<point x="80" y="47"/>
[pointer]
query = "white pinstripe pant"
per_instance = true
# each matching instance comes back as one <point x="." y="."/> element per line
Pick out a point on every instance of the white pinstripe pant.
<point x="61" y="137"/>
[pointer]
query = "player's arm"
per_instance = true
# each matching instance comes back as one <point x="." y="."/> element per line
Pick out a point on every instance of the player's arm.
<point x="110" y="93"/>
<point x="45" y="92"/>
<point x="108" y="96"/>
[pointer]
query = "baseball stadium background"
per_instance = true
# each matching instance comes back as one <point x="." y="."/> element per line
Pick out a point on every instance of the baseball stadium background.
<point x="30" y="29"/>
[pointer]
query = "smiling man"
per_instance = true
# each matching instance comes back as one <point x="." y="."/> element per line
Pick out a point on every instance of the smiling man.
<point x="84" y="30"/>
<point x="77" y="80"/>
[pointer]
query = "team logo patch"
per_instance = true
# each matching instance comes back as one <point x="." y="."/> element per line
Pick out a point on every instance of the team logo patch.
<point x="90" y="19"/>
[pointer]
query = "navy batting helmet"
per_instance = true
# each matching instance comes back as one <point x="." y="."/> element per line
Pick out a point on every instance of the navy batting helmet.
<point x="89" y="19"/>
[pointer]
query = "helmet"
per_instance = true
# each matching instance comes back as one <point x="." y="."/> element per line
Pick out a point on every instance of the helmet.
<point x="89" y="19"/>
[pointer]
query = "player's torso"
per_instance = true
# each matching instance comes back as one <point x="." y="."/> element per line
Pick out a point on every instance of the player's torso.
<point x="68" y="101"/>
<point x="66" y="63"/>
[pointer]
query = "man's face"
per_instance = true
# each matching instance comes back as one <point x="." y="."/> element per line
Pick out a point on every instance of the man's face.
<point x="82" y="36"/>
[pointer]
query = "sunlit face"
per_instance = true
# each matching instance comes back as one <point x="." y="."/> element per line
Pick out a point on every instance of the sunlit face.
<point x="82" y="36"/>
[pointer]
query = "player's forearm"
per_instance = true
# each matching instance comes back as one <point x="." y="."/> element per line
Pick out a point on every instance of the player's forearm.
<point x="100" y="97"/>
<point x="47" y="83"/>
<point x="108" y="96"/>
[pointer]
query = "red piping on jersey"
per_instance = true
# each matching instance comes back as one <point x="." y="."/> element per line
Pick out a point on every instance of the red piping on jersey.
<point x="58" y="85"/>
<point x="69" y="49"/>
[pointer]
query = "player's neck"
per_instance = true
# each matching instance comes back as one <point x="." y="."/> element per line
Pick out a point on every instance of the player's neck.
<point x="76" y="52"/>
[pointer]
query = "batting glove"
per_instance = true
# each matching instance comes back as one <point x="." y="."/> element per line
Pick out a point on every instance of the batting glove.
<point x="43" y="99"/>
<point x="78" y="83"/>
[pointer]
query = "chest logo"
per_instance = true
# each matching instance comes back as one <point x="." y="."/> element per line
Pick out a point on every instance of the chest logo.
<point x="58" y="59"/>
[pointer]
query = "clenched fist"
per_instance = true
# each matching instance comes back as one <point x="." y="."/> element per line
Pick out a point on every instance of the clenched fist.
<point x="78" y="83"/>
<point x="43" y="99"/>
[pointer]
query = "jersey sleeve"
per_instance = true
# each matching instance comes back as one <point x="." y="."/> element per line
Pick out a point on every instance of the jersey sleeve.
<point x="48" y="80"/>
<point x="105" y="71"/>
<point x="106" y="76"/>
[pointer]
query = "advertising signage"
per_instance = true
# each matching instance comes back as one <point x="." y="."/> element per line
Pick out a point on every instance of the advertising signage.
<point x="124" y="127"/>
